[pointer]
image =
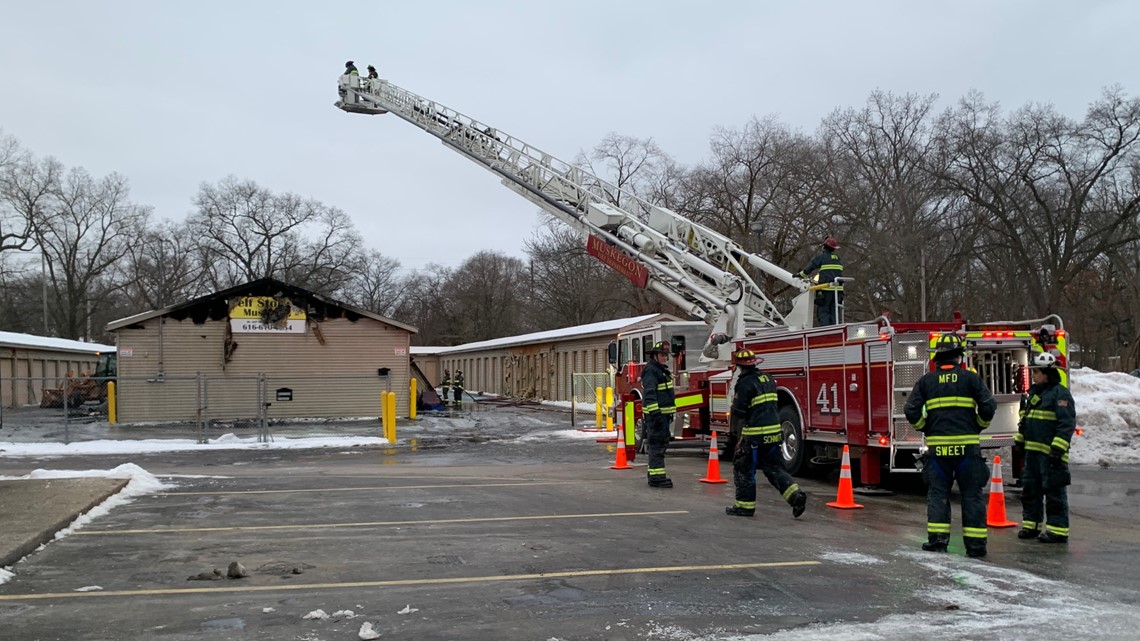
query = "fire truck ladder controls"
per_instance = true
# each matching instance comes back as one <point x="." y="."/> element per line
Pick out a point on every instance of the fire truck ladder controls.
<point x="690" y="265"/>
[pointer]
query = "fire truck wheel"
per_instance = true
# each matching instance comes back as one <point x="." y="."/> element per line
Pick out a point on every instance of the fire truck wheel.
<point x="793" y="446"/>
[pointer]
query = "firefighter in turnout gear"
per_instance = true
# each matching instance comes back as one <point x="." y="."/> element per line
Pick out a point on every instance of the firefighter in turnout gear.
<point x="758" y="445"/>
<point x="1048" y="420"/>
<point x="951" y="406"/>
<point x="659" y="409"/>
<point x="445" y="385"/>
<point x="457" y="389"/>
<point x="830" y="267"/>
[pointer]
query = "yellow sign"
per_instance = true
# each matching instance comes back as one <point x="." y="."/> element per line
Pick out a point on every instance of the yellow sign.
<point x="262" y="314"/>
<point x="255" y="308"/>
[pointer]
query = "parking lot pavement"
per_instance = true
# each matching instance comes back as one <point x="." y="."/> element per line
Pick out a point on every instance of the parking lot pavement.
<point x="523" y="539"/>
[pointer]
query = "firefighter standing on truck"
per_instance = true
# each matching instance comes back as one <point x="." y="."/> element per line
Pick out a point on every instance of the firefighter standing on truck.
<point x="659" y="408"/>
<point x="754" y="407"/>
<point x="1048" y="420"/>
<point x="830" y="267"/>
<point x="951" y="406"/>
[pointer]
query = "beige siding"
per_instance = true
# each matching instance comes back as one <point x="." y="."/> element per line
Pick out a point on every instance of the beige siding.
<point x="296" y="361"/>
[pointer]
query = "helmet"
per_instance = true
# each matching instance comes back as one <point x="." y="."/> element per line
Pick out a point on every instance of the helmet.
<point x="660" y="347"/>
<point x="831" y="243"/>
<point x="371" y="66"/>
<point x="1043" y="360"/>
<point x="950" y="345"/>
<point x="746" y="358"/>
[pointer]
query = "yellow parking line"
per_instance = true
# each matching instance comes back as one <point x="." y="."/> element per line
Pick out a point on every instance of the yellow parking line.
<point x="408" y="582"/>
<point x="383" y="487"/>
<point x="314" y="526"/>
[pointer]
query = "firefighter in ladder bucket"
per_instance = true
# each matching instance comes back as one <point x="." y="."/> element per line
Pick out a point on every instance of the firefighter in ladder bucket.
<point x="754" y="407"/>
<point x="830" y="267"/>
<point x="951" y="406"/>
<point x="659" y="409"/>
<point x="1048" y="420"/>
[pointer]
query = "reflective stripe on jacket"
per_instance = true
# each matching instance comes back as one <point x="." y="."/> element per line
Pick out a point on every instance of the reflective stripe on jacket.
<point x="657" y="389"/>
<point x="1048" y="419"/>
<point x="754" y="402"/>
<point x="951" y="406"/>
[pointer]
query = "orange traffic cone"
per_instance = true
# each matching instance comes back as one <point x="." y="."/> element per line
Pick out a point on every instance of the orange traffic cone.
<point x="619" y="462"/>
<point x="995" y="511"/>
<point x="712" y="474"/>
<point x="845" y="500"/>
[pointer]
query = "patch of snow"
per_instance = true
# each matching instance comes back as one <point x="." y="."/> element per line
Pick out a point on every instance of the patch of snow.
<point x="603" y="327"/>
<point x="367" y="632"/>
<point x="851" y="558"/>
<point x="408" y="609"/>
<point x="316" y="614"/>
<point x="546" y="435"/>
<point x="49" y="342"/>
<point x="268" y="610"/>
<point x="1108" y="412"/>
<point x="6" y="575"/>
<point x="89" y="588"/>
<point x="224" y="442"/>
<point x="348" y="614"/>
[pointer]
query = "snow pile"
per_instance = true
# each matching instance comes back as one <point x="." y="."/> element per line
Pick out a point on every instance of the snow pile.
<point x="367" y="632"/>
<point x="5" y="575"/>
<point x="1108" y="411"/>
<point x="546" y="435"/>
<point x="224" y="442"/>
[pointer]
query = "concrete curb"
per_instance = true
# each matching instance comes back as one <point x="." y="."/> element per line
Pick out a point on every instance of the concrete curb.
<point x="33" y="510"/>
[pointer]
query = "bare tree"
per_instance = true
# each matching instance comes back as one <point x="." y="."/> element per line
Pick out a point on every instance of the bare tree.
<point x="247" y="232"/>
<point x="85" y="228"/>
<point x="570" y="287"/>
<point x="902" y="231"/>
<point x="376" y="285"/>
<point x="160" y="269"/>
<point x="1050" y="188"/>
<point x="490" y="294"/>
<point x="425" y="306"/>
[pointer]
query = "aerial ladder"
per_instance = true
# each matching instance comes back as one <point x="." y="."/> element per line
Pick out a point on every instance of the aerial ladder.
<point x="696" y="268"/>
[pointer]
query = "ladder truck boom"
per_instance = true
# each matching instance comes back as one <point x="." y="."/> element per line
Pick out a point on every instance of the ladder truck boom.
<point x="692" y="266"/>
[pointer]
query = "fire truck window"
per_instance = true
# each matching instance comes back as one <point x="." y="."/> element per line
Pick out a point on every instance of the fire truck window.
<point x="636" y="356"/>
<point x="623" y="352"/>
<point x="646" y="343"/>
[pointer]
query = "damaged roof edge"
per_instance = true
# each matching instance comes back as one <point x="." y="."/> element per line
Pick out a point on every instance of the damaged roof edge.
<point x="245" y="287"/>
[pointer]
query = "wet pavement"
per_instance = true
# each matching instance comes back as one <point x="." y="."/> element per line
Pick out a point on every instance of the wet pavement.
<point x="490" y="526"/>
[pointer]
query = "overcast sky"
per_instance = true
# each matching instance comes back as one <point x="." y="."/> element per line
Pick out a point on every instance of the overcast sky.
<point x="172" y="94"/>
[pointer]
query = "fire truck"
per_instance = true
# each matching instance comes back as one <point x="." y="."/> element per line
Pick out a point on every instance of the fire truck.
<point x="838" y="385"/>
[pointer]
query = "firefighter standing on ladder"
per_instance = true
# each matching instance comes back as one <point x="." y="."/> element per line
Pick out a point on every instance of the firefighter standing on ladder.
<point x="659" y="408"/>
<point x="1048" y="420"/>
<point x="951" y="406"/>
<point x="754" y="406"/>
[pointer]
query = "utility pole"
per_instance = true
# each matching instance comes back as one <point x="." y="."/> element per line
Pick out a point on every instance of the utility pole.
<point x="44" y="278"/>
<point x="922" y="277"/>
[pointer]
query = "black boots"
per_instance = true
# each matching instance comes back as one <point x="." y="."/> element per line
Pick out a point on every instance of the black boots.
<point x="1026" y="533"/>
<point x="975" y="551"/>
<point x="1049" y="537"/>
<point x="661" y="482"/>
<point x="937" y="543"/>
<point x="799" y="503"/>
<point x="739" y="511"/>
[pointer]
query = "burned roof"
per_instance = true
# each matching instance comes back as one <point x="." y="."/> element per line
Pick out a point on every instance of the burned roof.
<point x="216" y="306"/>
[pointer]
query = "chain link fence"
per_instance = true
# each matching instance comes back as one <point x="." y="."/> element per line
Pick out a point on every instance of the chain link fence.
<point x="201" y="407"/>
<point x="584" y="392"/>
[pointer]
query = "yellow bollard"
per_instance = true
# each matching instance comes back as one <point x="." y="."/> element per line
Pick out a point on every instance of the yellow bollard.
<point x="392" y="415"/>
<point x="598" y="407"/>
<point x="112" y="409"/>
<point x="412" y="401"/>
<point x="383" y="413"/>
<point x="609" y="409"/>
